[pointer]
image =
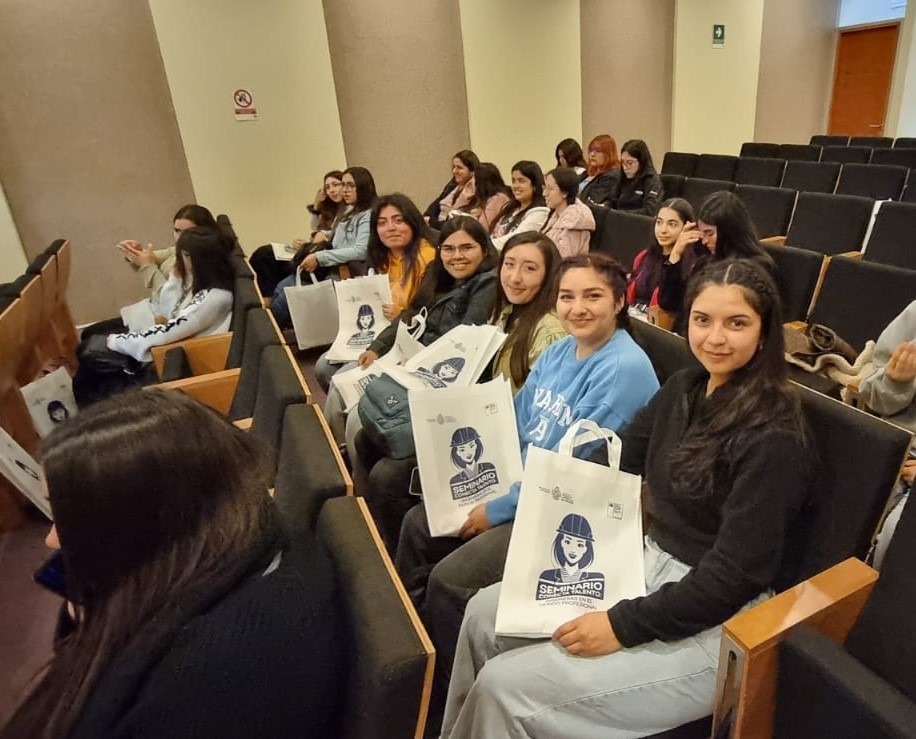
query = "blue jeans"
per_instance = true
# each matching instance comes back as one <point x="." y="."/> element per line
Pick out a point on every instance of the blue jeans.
<point x="278" y="305"/>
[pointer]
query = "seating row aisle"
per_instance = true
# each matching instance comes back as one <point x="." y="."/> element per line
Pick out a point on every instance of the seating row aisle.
<point x="250" y="375"/>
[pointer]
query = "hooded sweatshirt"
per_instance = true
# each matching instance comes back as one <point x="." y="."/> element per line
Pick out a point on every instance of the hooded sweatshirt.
<point x="571" y="229"/>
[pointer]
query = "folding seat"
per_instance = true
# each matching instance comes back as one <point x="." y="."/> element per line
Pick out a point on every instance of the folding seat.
<point x="909" y="193"/>
<point x="905" y="142"/>
<point x="279" y="385"/>
<point x="757" y="149"/>
<point x="600" y="214"/>
<point x="881" y="182"/>
<point x="797" y="273"/>
<point x="770" y="208"/>
<point x="846" y="154"/>
<point x="874" y="142"/>
<point x="899" y="157"/>
<point x="829" y="140"/>
<point x="673" y="184"/>
<point x="857" y="299"/>
<point x="696" y="190"/>
<point x="716" y="167"/>
<point x="310" y="469"/>
<point x="678" y="162"/>
<point x="829" y="224"/>
<point x="668" y="352"/>
<point x="891" y="240"/>
<point x="811" y="176"/>
<point x="803" y="152"/>
<point x="759" y="171"/>
<point x="625" y="235"/>
<point x="390" y="668"/>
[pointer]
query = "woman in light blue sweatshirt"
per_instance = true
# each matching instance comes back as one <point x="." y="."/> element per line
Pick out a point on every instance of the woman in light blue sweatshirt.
<point x="598" y="372"/>
<point x="349" y="242"/>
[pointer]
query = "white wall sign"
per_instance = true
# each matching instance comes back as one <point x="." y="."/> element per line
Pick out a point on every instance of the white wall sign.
<point x="243" y="102"/>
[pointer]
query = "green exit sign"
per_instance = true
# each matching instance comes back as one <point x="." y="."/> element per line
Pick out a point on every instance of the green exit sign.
<point x="718" y="34"/>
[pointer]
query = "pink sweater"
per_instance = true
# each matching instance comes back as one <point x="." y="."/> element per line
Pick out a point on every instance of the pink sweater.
<point x="572" y="229"/>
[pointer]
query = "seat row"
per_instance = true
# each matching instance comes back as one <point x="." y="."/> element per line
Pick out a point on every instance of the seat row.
<point x="881" y="181"/>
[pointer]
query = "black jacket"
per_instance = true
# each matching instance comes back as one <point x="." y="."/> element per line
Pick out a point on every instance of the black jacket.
<point x="600" y="191"/>
<point x="740" y="535"/>
<point x="432" y="210"/>
<point x="266" y="658"/>
<point x="640" y="195"/>
<point x="468" y="303"/>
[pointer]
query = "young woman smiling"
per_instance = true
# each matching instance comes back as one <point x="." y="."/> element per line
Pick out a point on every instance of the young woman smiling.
<point x="597" y="372"/>
<point x="526" y="210"/>
<point x="570" y="222"/>
<point x="490" y="195"/>
<point x="723" y="450"/>
<point x="672" y="216"/>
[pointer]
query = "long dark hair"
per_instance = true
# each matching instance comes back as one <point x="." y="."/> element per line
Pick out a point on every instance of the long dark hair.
<point x="210" y="252"/>
<point x="437" y="280"/>
<point x="329" y="211"/>
<point x="756" y="397"/>
<point x="639" y="150"/>
<point x="524" y="318"/>
<point x="531" y="171"/>
<point x="572" y="153"/>
<point x="155" y="497"/>
<point x="196" y="214"/>
<point x="488" y="181"/>
<point x="651" y="266"/>
<point x="468" y="159"/>
<point x="365" y="189"/>
<point x="377" y="252"/>
<point x="610" y="270"/>
<point x="736" y="237"/>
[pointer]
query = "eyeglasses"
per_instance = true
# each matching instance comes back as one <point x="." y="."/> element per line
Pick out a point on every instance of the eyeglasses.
<point x="595" y="151"/>
<point x="449" y="250"/>
<point x="629" y="162"/>
<point x="348" y="185"/>
<point x="332" y="185"/>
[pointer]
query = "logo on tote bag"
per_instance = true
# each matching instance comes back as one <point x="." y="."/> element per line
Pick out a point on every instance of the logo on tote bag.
<point x="442" y="374"/>
<point x="574" y="551"/>
<point x="365" y="320"/>
<point x="475" y="477"/>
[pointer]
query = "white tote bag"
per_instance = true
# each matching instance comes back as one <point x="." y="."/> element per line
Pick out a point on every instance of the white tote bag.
<point x="17" y="466"/>
<point x="359" y="306"/>
<point x="50" y="400"/>
<point x="313" y="309"/>
<point x="576" y="544"/>
<point x="467" y="449"/>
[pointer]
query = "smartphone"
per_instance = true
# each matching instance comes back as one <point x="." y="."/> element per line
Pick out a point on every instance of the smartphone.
<point x="51" y="575"/>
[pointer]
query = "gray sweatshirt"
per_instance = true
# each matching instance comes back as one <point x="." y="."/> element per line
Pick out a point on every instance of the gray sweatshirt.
<point x="885" y="396"/>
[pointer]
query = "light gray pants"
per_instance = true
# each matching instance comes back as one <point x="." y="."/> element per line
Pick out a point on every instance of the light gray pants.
<point x="342" y="429"/>
<point x="511" y="687"/>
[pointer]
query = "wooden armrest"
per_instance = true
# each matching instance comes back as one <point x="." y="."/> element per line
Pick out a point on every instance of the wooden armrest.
<point x="660" y="317"/>
<point x="851" y="254"/>
<point x="746" y="682"/>
<point x="206" y="352"/>
<point x="244" y="424"/>
<point x="796" y="325"/>
<point x="775" y="240"/>
<point x="215" y="390"/>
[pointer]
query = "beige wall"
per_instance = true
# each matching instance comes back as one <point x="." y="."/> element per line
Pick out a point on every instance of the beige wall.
<point x="12" y="257"/>
<point x="796" y="69"/>
<point x="901" y="107"/>
<point x="264" y="172"/>
<point x="89" y="148"/>
<point x="627" y="71"/>
<point x="522" y="63"/>
<point x="715" y="89"/>
<point x="399" y="73"/>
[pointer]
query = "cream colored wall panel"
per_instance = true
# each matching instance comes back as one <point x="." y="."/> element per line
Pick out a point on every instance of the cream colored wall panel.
<point x="399" y="74"/>
<point x="715" y="88"/>
<point x="12" y="258"/>
<point x="523" y="67"/>
<point x="89" y="146"/>
<point x="262" y="172"/>
<point x="901" y="107"/>
<point x="796" y="69"/>
<point x="627" y="71"/>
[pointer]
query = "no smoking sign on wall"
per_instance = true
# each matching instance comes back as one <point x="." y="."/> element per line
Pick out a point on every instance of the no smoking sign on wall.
<point x="243" y="104"/>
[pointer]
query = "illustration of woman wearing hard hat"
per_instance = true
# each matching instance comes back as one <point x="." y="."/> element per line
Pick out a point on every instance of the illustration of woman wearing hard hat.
<point x="474" y="475"/>
<point x="365" y="320"/>
<point x="573" y="550"/>
<point x="442" y="374"/>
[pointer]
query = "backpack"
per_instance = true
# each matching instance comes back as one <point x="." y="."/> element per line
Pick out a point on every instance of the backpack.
<point x="385" y="413"/>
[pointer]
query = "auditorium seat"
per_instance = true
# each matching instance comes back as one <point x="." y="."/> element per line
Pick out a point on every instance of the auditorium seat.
<point x="829" y="224"/>
<point x="758" y="149"/>
<point x="873" y="142"/>
<point x="770" y="208"/>
<point x="881" y="182"/>
<point x="898" y="157"/>
<point x="696" y="190"/>
<point x="892" y="236"/>
<point x="797" y="274"/>
<point x="759" y="171"/>
<point x="679" y="162"/>
<point x="803" y="152"/>
<point x="625" y="235"/>
<point x="846" y="154"/>
<point x="811" y="176"/>
<point x="716" y="167"/>
<point x="673" y="184"/>
<point x="668" y="352"/>
<point x="829" y="140"/>
<point x="905" y="142"/>
<point x="280" y="384"/>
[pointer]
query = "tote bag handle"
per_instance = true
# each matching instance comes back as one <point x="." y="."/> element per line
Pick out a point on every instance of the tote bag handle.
<point x="299" y="278"/>
<point x="585" y="430"/>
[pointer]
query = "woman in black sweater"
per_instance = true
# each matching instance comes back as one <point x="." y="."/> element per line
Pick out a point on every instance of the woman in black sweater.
<point x="640" y="189"/>
<point x="196" y="616"/>
<point x="724" y="452"/>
